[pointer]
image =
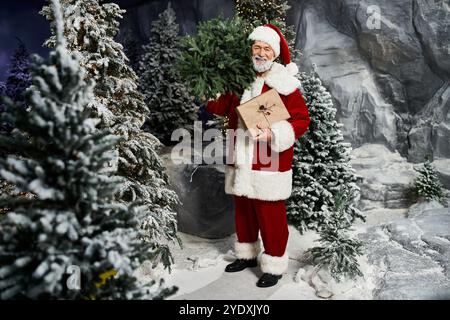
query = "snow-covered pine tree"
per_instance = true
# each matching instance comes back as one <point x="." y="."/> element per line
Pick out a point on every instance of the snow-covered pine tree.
<point x="321" y="164"/>
<point x="5" y="187"/>
<point x="18" y="76"/>
<point x="17" y="80"/>
<point x="3" y="126"/>
<point x="90" y="28"/>
<point x="2" y="93"/>
<point x="338" y="252"/>
<point x="259" y="12"/>
<point x="170" y="103"/>
<point x="427" y="184"/>
<point x="74" y="223"/>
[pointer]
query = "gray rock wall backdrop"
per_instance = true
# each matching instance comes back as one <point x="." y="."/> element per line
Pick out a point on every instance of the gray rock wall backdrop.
<point x="391" y="84"/>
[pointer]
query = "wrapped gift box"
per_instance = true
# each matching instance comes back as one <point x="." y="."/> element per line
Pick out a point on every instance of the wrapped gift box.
<point x="265" y="109"/>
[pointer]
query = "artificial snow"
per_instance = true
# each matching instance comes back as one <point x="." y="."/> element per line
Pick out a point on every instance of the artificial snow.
<point x="406" y="252"/>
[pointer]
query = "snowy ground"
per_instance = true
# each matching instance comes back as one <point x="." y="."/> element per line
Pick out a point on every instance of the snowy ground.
<point x="407" y="250"/>
<point x="391" y="270"/>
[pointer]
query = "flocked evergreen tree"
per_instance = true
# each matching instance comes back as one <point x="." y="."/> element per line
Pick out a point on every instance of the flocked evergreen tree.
<point x="5" y="187"/>
<point x="321" y="163"/>
<point x="427" y="184"/>
<point x="259" y="12"/>
<point x="338" y="252"/>
<point x="321" y="174"/>
<point x="90" y="28"/>
<point x="3" y="128"/>
<point x="18" y="77"/>
<point x="2" y="93"/>
<point x="74" y="222"/>
<point x="17" y="80"/>
<point x="171" y="106"/>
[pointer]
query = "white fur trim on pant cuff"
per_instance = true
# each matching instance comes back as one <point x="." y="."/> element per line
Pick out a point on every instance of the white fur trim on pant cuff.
<point x="256" y="184"/>
<point x="283" y="136"/>
<point x="247" y="250"/>
<point x="274" y="265"/>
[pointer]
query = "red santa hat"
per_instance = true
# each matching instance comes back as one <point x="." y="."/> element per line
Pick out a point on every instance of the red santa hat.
<point x="272" y="35"/>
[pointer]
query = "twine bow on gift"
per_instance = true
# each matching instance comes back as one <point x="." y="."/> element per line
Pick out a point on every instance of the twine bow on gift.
<point x="266" y="111"/>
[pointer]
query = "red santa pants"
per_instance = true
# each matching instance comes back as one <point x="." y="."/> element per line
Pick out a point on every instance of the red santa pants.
<point x="268" y="217"/>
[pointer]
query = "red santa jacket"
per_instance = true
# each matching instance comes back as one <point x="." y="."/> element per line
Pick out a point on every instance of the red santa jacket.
<point x="261" y="170"/>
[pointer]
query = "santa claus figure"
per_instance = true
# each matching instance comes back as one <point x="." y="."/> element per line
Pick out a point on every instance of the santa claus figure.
<point x="260" y="175"/>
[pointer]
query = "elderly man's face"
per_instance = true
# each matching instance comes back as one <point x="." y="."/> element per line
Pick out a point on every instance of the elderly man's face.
<point x="262" y="49"/>
<point x="263" y="56"/>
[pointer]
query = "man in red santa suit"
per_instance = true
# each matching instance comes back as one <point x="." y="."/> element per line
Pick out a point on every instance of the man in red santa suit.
<point x="260" y="177"/>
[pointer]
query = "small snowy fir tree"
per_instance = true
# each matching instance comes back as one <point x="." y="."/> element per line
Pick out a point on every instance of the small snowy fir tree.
<point x="3" y="126"/>
<point x="321" y="163"/>
<point x="74" y="223"/>
<point x="171" y="105"/>
<point x="17" y="80"/>
<point x="2" y="93"/>
<point x="260" y="12"/>
<point x="338" y="252"/>
<point x="90" y="28"/>
<point x="427" y="184"/>
<point x="18" y="76"/>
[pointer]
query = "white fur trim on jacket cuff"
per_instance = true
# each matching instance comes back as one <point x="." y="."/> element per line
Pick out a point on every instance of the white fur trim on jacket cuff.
<point x="283" y="136"/>
<point x="247" y="250"/>
<point x="274" y="265"/>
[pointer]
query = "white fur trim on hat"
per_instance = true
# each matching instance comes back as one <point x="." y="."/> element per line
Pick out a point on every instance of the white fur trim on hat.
<point x="274" y="265"/>
<point x="267" y="35"/>
<point x="247" y="250"/>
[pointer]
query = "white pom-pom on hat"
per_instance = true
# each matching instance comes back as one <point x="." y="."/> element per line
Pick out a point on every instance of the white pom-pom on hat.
<point x="292" y="68"/>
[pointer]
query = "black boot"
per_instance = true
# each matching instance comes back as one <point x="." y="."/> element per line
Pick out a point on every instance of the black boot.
<point x="268" y="280"/>
<point x="241" y="264"/>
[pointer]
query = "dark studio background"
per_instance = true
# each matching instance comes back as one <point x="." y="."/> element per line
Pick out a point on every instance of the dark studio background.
<point x="21" y="19"/>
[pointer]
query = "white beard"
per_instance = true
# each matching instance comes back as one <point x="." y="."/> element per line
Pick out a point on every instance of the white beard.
<point x="262" y="67"/>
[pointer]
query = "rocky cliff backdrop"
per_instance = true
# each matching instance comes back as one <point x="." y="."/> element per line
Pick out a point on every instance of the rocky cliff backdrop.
<point x="386" y="63"/>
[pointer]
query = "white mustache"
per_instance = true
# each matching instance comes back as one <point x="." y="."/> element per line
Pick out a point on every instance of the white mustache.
<point x="261" y="64"/>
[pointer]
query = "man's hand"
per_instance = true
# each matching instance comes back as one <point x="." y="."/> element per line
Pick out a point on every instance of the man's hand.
<point x="203" y="99"/>
<point x="264" y="134"/>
